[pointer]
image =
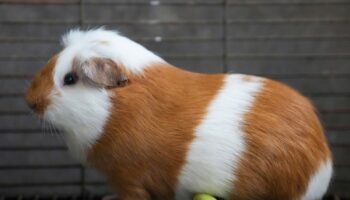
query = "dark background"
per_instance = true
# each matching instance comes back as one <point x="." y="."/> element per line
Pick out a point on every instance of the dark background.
<point x="304" y="43"/>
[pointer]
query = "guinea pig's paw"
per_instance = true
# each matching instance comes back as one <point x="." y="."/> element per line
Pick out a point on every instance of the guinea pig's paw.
<point x="111" y="197"/>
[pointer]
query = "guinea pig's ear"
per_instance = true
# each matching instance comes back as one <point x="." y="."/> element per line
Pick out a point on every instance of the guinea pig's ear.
<point x="104" y="72"/>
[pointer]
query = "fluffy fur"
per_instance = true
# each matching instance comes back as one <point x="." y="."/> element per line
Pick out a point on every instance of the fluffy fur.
<point x="107" y="44"/>
<point x="215" y="152"/>
<point x="82" y="117"/>
<point x="285" y="146"/>
<point x="159" y="132"/>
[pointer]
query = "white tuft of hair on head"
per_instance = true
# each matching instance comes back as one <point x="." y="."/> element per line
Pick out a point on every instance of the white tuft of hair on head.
<point x="109" y="44"/>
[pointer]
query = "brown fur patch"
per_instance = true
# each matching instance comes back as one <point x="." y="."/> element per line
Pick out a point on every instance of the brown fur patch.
<point x="102" y="71"/>
<point x="40" y="88"/>
<point x="146" y="139"/>
<point x="285" y="146"/>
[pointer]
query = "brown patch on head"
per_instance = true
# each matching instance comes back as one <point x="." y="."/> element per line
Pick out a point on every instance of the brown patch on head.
<point x="285" y="146"/>
<point x="152" y="123"/>
<point x="40" y="88"/>
<point x="102" y="71"/>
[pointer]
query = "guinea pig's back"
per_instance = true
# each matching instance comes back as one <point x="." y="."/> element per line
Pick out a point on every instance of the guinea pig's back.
<point x="259" y="139"/>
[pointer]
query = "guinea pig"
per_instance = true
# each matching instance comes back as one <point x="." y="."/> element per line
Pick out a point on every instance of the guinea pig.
<point x="160" y="132"/>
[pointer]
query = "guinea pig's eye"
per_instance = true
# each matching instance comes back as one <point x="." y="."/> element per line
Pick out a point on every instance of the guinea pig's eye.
<point x="70" y="78"/>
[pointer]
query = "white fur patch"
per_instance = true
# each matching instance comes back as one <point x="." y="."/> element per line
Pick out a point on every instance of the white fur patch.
<point x="319" y="182"/>
<point x="109" y="44"/>
<point x="81" y="112"/>
<point x="218" y="145"/>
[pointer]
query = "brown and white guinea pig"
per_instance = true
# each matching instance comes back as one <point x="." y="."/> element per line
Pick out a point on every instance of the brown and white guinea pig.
<point x="160" y="132"/>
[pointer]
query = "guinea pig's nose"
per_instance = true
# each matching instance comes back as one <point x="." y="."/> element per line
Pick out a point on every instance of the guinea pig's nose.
<point x="33" y="105"/>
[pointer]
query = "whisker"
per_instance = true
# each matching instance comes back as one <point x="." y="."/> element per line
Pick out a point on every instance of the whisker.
<point x="58" y="132"/>
<point x="54" y="131"/>
<point x="49" y="127"/>
<point x="53" y="128"/>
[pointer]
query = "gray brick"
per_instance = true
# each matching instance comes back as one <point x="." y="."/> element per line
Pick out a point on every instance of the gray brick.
<point x="21" y="68"/>
<point x="167" y="30"/>
<point x="99" y="189"/>
<point x="285" y="66"/>
<point x="319" y="85"/>
<point x="277" y="47"/>
<point x="341" y="174"/>
<point x="13" y="104"/>
<point x="287" y="29"/>
<point x="40" y="139"/>
<point x="55" y="31"/>
<point x="338" y="137"/>
<point x="336" y="119"/>
<point x="340" y="188"/>
<point x="283" y="12"/>
<point x="331" y="102"/>
<point x="19" y="122"/>
<point x="38" y="31"/>
<point x="185" y="48"/>
<point x="30" y="13"/>
<point x="110" y="13"/>
<point x="39" y="176"/>
<point x="41" y="190"/>
<point x="341" y="155"/>
<point x="204" y="65"/>
<point x="24" y="158"/>
<point x="31" y="49"/>
<point x="14" y="86"/>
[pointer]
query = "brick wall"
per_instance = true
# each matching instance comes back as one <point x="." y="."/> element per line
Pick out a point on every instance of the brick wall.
<point x="304" y="43"/>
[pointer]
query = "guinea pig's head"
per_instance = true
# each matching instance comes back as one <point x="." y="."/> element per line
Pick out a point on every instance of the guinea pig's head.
<point x="73" y="90"/>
